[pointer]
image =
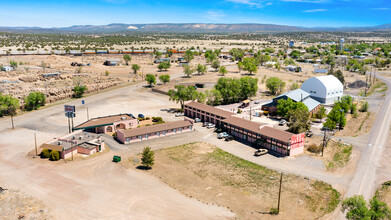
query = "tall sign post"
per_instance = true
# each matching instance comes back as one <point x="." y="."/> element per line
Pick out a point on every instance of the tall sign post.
<point x="70" y="114"/>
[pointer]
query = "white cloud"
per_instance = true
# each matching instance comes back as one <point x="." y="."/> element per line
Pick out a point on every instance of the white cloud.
<point x="263" y="3"/>
<point x="214" y="15"/>
<point x="314" y="10"/>
<point x="381" y="9"/>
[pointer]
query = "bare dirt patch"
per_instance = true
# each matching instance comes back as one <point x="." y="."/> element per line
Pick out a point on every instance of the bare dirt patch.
<point x="17" y="205"/>
<point x="357" y="126"/>
<point x="213" y="176"/>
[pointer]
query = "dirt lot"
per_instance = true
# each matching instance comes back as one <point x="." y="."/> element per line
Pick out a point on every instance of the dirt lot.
<point x="17" y="205"/>
<point x="357" y="126"/>
<point x="204" y="172"/>
<point x="28" y="75"/>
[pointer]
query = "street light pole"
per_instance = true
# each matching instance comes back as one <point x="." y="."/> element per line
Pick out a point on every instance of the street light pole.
<point x="324" y="140"/>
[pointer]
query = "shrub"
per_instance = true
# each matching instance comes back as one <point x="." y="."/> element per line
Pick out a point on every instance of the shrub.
<point x="54" y="155"/>
<point x="34" y="100"/>
<point x="313" y="148"/>
<point x="273" y="211"/>
<point x="157" y="119"/>
<point x="364" y="107"/>
<point x="239" y="111"/>
<point x="147" y="118"/>
<point x="45" y="153"/>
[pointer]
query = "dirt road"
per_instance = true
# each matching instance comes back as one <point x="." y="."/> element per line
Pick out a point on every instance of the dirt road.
<point x="94" y="188"/>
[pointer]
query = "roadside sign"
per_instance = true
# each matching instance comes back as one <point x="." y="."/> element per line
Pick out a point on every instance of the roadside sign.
<point x="69" y="108"/>
<point x="70" y="114"/>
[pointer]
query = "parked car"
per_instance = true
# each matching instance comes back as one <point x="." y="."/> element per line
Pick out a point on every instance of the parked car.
<point x="260" y="152"/>
<point x="180" y="114"/>
<point x="282" y="122"/>
<point x="140" y="116"/>
<point x="256" y="102"/>
<point x="197" y="120"/>
<point x="309" y="133"/>
<point x="205" y="124"/>
<point x="229" y="138"/>
<point x="222" y="135"/>
<point x="210" y="125"/>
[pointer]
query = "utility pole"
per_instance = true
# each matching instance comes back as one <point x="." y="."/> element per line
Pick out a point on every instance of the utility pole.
<point x="35" y="139"/>
<point x="324" y="140"/>
<point x="366" y="86"/>
<point x="279" y="195"/>
<point x="88" y="117"/>
<point x="250" y="113"/>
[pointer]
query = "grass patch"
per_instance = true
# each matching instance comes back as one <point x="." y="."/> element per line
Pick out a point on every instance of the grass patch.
<point x="340" y="157"/>
<point x="378" y="87"/>
<point x="207" y="173"/>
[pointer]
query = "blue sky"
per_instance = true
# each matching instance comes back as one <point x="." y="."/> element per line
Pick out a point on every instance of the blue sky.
<point x="311" y="13"/>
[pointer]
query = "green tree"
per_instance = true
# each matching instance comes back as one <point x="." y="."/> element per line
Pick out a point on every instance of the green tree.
<point x="294" y="86"/>
<point x="223" y="70"/>
<point x="148" y="158"/>
<point x="34" y="100"/>
<point x="275" y="85"/>
<point x="78" y="91"/>
<point x="213" y="97"/>
<point x="201" y="69"/>
<point x="135" y="68"/>
<point x="158" y="54"/>
<point x="237" y="54"/>
<point x="151" y="79"/>
<point x="336" y="116"/>
<point x="54" y="155"/>
<point x="216" y="65"/>
<point x="356" y="208"/>
<point x="339" y="75"/>
<point x="284" y="106"/>
<point x="188" y="70"/>
<point x="181" y="94"/>
<point x="295" y="54"/>
<point x="210" y="57"/>
<point x="164" y="78"/>
<point x="188" y="56"/>
<point x="164" y="66"/>
<point x="321" y="113"/>
<point x="8" y="105"/>
<point x="248" y="87"/>
<point x="250" y="65"/>
<point x="299" y="120"/>
<point x="127" y="59"/>
<point x="240" y="66"/>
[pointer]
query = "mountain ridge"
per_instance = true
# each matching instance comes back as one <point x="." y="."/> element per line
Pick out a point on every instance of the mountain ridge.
<point x="191" y="28"/>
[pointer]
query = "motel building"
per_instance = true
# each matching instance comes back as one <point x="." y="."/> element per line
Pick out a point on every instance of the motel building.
<point x="258" y="135"/>
<point x="127" y="136"/>
<point x="77" y="142"/>
<point x="109" y="124"/>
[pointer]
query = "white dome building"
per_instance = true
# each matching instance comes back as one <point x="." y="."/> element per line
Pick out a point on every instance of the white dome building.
<point x="324" y="89"/>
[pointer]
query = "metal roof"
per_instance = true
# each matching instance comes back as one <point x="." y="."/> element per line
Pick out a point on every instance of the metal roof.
<point x="311" y="103"/>
<point x="296" y="95"/>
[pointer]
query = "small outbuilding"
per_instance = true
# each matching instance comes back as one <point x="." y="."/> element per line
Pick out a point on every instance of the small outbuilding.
<point x="325" y="89"/>
<point x="7" y="68"/>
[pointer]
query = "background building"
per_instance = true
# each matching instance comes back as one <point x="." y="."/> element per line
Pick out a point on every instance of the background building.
<point x="325" y="89"/>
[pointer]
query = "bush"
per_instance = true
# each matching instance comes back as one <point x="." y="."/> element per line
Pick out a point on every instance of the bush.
<point x="34" y="100"/>
<point x="313" y="148"/>
<point x="147" y="118"/>
<point x="79" y="91"/>
<point x="273" y="211"/>
<point x="364" y="107"/>
<point x="239" y="111"/>
<point x="157" y="119"/>
<point x="45" y="153"/>
<point x="54" y="155"/>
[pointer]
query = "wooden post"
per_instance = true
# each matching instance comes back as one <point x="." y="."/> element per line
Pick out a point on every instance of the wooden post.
<point x="35" y="139"/>
<point x="12" y="122"/>
<point x="69" y="125"/>
<point x="279" y="195"/>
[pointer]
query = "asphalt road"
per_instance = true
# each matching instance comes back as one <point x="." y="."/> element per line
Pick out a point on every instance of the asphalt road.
<point x="364" y="180"/>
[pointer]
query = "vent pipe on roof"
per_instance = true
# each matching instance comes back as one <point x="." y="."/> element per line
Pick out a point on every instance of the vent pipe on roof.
<point x="301" y="100"/>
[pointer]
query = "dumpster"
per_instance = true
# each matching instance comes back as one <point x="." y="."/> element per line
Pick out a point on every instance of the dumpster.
<point x="116" y="159"/>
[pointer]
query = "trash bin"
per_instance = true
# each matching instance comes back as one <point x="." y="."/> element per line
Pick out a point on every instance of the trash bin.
<point x="116" y="159"/>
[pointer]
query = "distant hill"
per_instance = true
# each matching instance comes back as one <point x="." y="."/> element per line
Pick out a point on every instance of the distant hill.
<point x="188" y="28"/>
